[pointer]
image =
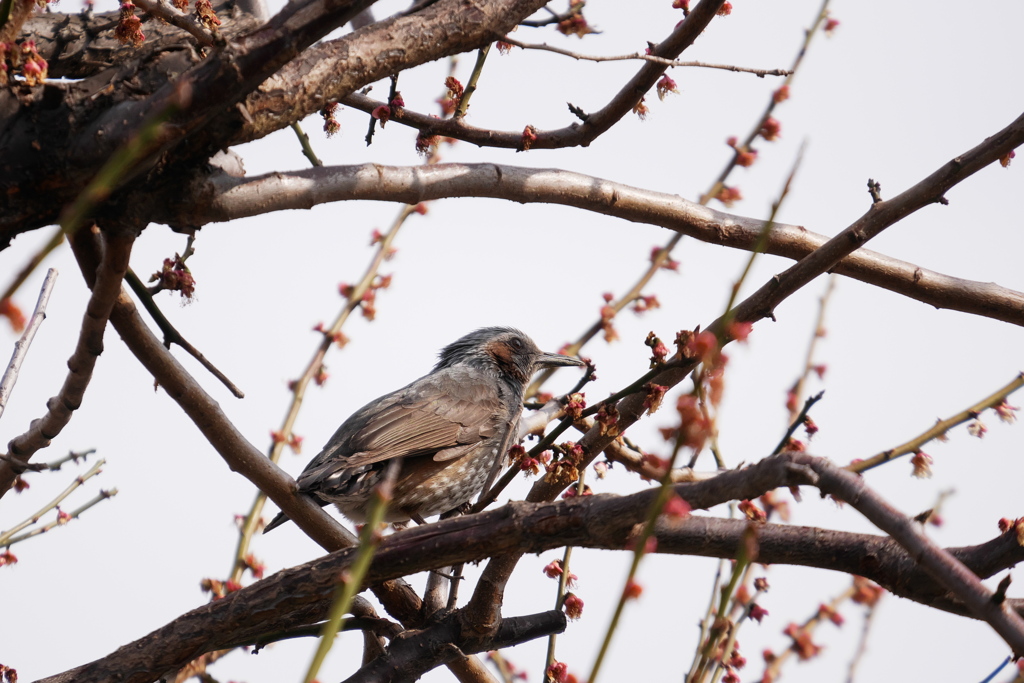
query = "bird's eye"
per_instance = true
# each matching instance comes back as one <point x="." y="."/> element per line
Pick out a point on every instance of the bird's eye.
<point x="517" y="343"/>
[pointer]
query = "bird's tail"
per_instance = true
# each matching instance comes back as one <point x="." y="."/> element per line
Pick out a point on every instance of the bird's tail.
<point x="276" y="522"/>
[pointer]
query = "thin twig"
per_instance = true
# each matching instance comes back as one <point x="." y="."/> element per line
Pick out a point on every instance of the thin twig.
<point x="597" y="123"/>
<point x="807" y="628"/>
<point x="352" y="579"/>
<point x="372" y="127"/>
<point x="862" y="645"/>
<point x="8" y="537"/>
<point x="816" y="336"/>
<point x="331" y="336"/>
<point x="991" y="676"/>
<point x="721" y="663"/>
<point x="940" y="428"/>
<point x="719" y="625"/>
<point x="709" y="613"/>
<point x="761" y="73"/>
<point x="471" y="85"/>
<point x="307" y="148"/>
<point x="56" y="239"/>
<point x="171" y="334"/>
<point x="10" y="377"/>
<point x="809" y="34"/>
<point x="103" y="495"/>
<point x="563" y="583"/>
<point x="797" y="421"/>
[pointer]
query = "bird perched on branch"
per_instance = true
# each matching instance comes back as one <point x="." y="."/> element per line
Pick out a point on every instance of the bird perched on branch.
<point x="448" y="431"/>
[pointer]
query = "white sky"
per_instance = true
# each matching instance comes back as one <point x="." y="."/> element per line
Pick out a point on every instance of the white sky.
<point x="897" y="91"/>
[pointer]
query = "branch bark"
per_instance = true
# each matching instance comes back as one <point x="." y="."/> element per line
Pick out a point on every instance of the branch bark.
<point x="219" y="197"/>
<point x="107" y="274"/>
<point x="302" y="595"/>
<point x="92" y="120"/>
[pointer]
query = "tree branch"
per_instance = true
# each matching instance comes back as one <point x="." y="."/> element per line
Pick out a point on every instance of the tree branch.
<point x="302" y="595"/>
<point x="942" y="565"/>
<point x="240" y="455"/>
<point x="320" y="78"/>
<point x="220" y="197"/>
<point x="761" y="303"/>
<point x="413" y="653"/>
<point x="640" y="56"/>
<point x="107" y="274"/>
<point x="10" y="377"/>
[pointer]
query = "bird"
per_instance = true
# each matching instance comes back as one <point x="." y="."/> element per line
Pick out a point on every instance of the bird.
<point x="448" y="432"/>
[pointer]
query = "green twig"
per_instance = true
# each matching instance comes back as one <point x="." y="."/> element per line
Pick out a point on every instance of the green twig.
<point x="352" y="579"/>
<point x="307" y="148"/>
<point x="474" y="78"/>
<point x="940" y="428"/>
<point x="9" y="536"/>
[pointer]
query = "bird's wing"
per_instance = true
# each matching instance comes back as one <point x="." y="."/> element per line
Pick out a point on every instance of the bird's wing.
<point x="445" y="413"/>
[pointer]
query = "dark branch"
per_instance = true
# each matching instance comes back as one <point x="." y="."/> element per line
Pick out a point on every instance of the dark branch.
<point x="302" y="595"/>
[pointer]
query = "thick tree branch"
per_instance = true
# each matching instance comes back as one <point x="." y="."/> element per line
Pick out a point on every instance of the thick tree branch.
<point x="216" y="116"/>
<point x="107" y="273"/>
<point x="220" y="197"/>
<point x="302" y="595"/>
<point x="331" y="70"/>
<point x="83" y="44"/>
<point x="61" y="147"/>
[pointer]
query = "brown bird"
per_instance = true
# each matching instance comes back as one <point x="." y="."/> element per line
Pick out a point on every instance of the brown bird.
<point x="449" y="431"/>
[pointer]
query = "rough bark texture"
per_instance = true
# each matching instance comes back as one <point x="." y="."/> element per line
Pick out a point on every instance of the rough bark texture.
<point x="54" y="138"/>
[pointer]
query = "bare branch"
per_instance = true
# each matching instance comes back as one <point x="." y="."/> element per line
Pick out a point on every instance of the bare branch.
<point x="9" y="536"/>
<point x="171" y="334"/>
<point x="241" y="456"/>
<point x="108" y="277"/>
<point x="10" y="377"/>
<point x="302" y="595"/>
<point x="761" y="73"/>
<point x="576" y="134"/>
<point x="942" y="565"/>
<point x="939" y="428"/>
<point x="224" y="198"/>
<point x="761" y="303"/>
<point x="381" y="50"/>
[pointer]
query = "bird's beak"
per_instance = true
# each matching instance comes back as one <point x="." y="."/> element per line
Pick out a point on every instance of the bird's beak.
<point x="555" y="360"/>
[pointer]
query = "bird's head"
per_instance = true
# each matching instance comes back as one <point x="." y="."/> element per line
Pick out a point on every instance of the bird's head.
<point x="505" y="349"/>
